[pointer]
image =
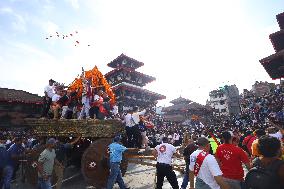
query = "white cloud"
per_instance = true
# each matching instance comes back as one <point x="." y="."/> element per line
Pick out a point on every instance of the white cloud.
<point x="6" y="10"/>
<point x="74" y="3"/>
<point x="50" y="27"/>
<point x="191" y="47"/>
<point x="19" y="23"/>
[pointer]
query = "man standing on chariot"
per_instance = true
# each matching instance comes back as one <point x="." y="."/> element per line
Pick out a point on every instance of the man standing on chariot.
<point x="47" y="99"/>
<point x="86" y="99"/>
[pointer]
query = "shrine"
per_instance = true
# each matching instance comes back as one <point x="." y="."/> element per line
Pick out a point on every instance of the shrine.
<point x="184" y="109"/>
<point x="274" y="64"/>
<point x="127" y="84"/>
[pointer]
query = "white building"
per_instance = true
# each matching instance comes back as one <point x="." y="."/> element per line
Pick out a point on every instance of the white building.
<point x="225" y="101"/>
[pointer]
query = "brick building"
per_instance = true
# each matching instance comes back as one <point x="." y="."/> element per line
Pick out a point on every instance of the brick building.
<point x="15" y="105"/>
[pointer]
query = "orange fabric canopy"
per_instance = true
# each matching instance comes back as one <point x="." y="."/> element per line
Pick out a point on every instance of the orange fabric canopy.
<point x="97" y="80"/>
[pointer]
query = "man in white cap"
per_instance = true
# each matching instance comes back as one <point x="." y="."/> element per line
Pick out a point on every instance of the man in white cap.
<point x="45" y="165"/>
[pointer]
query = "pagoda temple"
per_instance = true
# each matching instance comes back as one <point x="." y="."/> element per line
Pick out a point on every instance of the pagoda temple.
<point x="127" y="84"/>
<point x="184" y="109"/>
<point x="274" y="64"/>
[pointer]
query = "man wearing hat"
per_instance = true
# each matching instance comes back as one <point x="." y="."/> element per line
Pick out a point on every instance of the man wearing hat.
<point x="115" y="151"/>
<point x="45" y="165"/>
<point x="47" y="99"/>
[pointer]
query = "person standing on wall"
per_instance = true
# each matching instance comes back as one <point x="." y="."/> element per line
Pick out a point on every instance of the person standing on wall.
<point x="132" y="127"/>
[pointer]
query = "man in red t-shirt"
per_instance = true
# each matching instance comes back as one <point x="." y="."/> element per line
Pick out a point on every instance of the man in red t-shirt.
<point x="230" y="158"/>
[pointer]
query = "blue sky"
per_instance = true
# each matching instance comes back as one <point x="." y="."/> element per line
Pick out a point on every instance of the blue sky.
<point x="191" y="47"/>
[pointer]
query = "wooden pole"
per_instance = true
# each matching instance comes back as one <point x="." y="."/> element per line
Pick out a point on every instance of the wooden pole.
<point x="175" y="167"/>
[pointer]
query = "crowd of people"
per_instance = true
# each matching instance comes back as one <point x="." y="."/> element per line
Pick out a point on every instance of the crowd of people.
<point x="215" y="153"/>
<point x="93" y="103"/>
<point x="20" y="147"/>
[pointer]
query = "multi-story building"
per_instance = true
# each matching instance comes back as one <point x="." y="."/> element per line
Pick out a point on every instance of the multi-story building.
<point x="261" y="88"/>
<point x="225" y="100"/>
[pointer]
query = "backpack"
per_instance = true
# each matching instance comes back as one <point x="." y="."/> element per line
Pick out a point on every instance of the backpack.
<point x="263" y="178"/>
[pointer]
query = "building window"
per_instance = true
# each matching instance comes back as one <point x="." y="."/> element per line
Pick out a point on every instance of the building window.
<point x="223" y="110"/>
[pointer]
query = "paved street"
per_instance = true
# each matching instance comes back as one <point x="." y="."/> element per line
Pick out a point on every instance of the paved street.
<point x="137" y="177"/>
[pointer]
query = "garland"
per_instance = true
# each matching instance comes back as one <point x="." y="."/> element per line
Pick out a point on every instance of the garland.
<point x="97" y="81"/>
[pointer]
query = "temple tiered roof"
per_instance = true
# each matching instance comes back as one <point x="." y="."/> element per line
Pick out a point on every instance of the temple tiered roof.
<point x="180" y="100"/>
<point x="125" y="61"/>
<point x="183" y="109"/>
<point x="130" y="87"/>
<point x="129" y="75"/>
<point x="280" y="20"/>
<point x="274" y="64"/>
<point x="186" y="107"/>
<point x="127" y="83"/>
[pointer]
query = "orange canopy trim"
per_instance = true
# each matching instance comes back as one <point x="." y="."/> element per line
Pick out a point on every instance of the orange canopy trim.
<point x="96" y="79"/>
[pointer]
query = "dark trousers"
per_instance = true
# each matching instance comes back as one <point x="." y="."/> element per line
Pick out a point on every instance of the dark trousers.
<point x="185" y="177"/>
<point x="133" y="136"/>
<point x="164" y="170"/>
<point x="95" y="113"/>
<point x="1" y="178"/>
<point x="46" y="106"/>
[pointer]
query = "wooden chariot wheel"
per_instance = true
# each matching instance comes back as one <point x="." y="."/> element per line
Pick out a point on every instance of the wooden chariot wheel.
<point x="95" y="163"/>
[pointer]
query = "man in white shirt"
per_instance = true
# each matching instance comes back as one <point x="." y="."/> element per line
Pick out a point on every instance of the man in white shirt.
<point x="86" y="99"/>
<point x="205" y="167"/>
<point x="164" y="153"/>
<point x="55" y="106"/>
<point x="47" y="99"/>
<point x="132" y="130"/>
<point x="277" y="135"/>
<point x="272" y="131"/>
<point x="176" y="137"/>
